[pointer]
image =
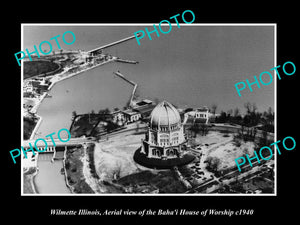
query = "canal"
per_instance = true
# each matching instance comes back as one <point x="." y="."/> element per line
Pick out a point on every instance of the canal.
<point x="49" y="179"/>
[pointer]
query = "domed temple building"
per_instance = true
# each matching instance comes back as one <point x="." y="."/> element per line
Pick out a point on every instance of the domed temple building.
<point x="164" y="145"/>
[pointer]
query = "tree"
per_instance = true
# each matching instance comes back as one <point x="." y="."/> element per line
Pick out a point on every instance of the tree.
<point x="110" y="126"/>
<point x="107" y="111"/>
<point x="214" y="108"/>
<point x="222" y="118"/>
<point x="250" y="108"/>
<point x="104" y="111"/>
<point x="229" y="112"/>
<point x="252" y="118"/>
<point x="270" y="116"/>
<point x="247" y="105"/>
<point x="195" y="129"/>
<point x="213" y="163"/>
<point x="74" y="114"/>
<point x="204" y="129"/>
<point x="236" y="112"/>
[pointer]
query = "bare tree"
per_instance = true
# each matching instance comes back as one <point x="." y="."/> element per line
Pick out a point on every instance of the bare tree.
<point x="214" y="108"/>
<point x="195" y="128"/>
<point x="204" y="129"/>
<point x="236" y="112"/>
<point x="270" y="116"/>
<point x="247" y="105"/>
<point x="254" y="107"/>
<point x="229" y="112"/>
<point x="74" y="114"/>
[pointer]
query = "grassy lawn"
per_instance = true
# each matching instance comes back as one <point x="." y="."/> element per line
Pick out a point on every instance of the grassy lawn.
<point x="84" y="124"/>
<point x="88" y="125"/>
<point x="33" y="68"/>
<point x="28" y="125"/>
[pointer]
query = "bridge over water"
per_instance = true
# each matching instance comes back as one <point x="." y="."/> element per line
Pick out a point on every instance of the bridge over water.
<point x="50" y="145"/>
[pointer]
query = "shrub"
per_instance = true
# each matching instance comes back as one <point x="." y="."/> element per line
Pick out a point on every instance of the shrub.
<point x="67" y="165"/>
<point x="212" y="163"/>
<point x="90" y="152"/>
<point x="237" y="141"/>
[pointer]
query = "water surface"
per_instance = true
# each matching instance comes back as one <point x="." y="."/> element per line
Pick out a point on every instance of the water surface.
<point x="49" y="179"/>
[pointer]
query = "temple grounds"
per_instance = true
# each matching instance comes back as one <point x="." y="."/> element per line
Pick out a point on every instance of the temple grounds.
<point x="214" y="152"/>
<point x="107" y="166"/>
<point x="114" y="163"/>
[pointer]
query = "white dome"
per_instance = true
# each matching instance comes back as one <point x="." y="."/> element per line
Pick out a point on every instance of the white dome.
<point x="164" y="115"/>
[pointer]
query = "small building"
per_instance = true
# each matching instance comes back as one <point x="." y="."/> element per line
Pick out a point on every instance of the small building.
<point x="28" y="87"/>
<point x="200" y="115"/>
<point x="131" y="115"/>
<point x="144" y="107"/>
<point x="144" y="102"/>
<point x="118" y="117"/>
<point x="145" y="110"/>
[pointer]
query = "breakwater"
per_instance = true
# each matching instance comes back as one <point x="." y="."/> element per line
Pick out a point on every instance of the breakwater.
<point x="129" y="81"/>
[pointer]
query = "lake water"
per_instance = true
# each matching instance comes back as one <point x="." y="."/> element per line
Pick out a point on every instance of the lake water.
<point x="192" y="66"/>
<point x="92" y="90"/>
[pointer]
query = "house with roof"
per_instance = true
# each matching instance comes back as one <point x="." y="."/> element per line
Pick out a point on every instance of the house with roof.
<point x="118" y="117"/>
<point x="199" y="115"/>
<point x="144" y="107"/>
<point x="131" y="115"/>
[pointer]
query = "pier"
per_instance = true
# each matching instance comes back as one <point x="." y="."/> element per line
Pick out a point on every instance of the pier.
<point x="129" y="81"/>
<point x="96" y="50"/>
<point x="126" y="61"/>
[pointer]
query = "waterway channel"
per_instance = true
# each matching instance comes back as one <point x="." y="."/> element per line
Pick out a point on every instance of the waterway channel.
<point x="49" y="179"/>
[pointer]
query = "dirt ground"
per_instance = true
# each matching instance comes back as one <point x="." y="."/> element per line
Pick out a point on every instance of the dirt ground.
<point x="115" y="156"/>
<point x="220" y="145"/>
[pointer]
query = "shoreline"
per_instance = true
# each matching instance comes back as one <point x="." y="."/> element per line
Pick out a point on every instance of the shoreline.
<point x="54" y="80"/>
<point x="38" y="101"/>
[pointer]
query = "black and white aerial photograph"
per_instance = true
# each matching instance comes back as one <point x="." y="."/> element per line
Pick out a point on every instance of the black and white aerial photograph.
<point x="148" y="113"/>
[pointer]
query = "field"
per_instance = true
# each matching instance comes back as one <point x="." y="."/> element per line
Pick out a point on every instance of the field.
<point x="33" y="68"/>
<point x="221" y="146"/>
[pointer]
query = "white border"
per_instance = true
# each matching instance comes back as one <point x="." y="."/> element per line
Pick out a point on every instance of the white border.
<point x="151" y="24"/>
